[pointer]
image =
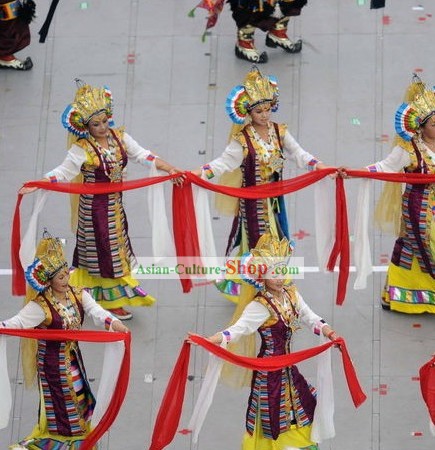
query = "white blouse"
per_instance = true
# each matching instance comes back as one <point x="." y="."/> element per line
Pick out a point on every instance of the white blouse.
<point x="232" y="156"/>
<point x="33" y="315"/>
<point x="77" y="156"/>
<point x="255" y="314"/>
<point x="397" y="160"/>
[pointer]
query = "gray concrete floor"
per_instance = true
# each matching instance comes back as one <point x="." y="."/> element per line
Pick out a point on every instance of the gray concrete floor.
<point x="338" y="97"/>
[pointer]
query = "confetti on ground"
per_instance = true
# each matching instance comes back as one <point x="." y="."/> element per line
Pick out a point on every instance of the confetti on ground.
<point x="416" y="325"/>
<point x="384" y="259"/>
<point x="301" y="234"/>
<point x="386" y="20"/>
<point x="415" y="378"/>
<point x="148" y="378"/>
<point x="416" y="433"/>
<point x="418" y="70"/>
<point x="185" y="431"/>
<point x="355" y="121"/>
<point x="84" y="5"/>
<point x="131" y="58"/>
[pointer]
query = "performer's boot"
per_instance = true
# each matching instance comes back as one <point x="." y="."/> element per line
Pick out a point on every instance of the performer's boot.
<point x="277" y="37"/>
<point x="10" y="62"/>
<point x="245" y="48"/>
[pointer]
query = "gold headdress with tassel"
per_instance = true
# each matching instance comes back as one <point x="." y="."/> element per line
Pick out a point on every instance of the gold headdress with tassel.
<point x="49" y="260"/>
<point x="419" y="107"/>
<point x="256" y="89"/>
<point x="271" y="251"/>
<point x="88" y="102"/>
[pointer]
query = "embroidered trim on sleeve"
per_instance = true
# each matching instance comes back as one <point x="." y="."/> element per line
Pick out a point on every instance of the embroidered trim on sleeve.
<point x="312" y="164"/>
<point x="207" y="170"/>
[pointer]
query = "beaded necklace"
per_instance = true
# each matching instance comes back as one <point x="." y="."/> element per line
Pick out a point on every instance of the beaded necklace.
<point x="286" y="309"/>
<point x="110" y="158"/>
<point x="69" y="313"/>
<point x="427" y="154"/>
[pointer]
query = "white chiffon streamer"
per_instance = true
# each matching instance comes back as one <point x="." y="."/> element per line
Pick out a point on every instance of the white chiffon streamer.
<point x="28" y="243"/>
<point x="162" y="240"/>
<point x="206" y="394"/>
<point x="204" y="225"/>
<point x="5" y="386"/>
<point x="324" y="213"/>
<point x="363" y="259"/>
<point x="323" y="422"/>
<point x="113" y="356"/>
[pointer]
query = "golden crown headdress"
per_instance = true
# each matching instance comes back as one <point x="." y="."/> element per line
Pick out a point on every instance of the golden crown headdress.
<point x="88" y="102"/>
<point x="49" y="260"/>
<point x="256" y="89"/>
<point x="269" y="253"/>
<point x="418" y="108"/>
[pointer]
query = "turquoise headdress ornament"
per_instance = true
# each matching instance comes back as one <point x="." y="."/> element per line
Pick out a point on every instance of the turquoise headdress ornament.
<point x="418" y="108"/>
<point x="49" y="260"/>
<point x="88" y="102"/>
<point x="256" y="89"/>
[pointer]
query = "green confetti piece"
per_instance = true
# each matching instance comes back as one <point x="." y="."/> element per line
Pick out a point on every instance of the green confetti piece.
<point x="355" y="121"/>
<point x="360" y="2"/>
<point x="84" y="5"/>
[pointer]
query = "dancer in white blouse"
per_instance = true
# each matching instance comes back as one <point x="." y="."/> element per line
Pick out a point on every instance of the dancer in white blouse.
<point x="103" y="256"/>
<point x="258" y="148"/>
<point x="66" y="400"/>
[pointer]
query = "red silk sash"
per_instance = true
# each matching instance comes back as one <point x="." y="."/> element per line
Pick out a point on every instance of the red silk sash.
<point x="169" y="413"/>
<point x="185" y="232"/>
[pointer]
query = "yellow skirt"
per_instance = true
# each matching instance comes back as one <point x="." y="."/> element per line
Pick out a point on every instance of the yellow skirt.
<point x="294" y="438"/>
<point x="409" y="291"/>
<point x="112" y="293"/>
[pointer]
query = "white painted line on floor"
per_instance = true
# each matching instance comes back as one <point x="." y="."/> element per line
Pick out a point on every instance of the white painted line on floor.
<point x="305" y="269"/>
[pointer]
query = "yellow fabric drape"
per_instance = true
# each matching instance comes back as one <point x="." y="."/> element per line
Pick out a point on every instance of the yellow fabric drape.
<point x="236" y="376"/>
<point x="224" y="204"/>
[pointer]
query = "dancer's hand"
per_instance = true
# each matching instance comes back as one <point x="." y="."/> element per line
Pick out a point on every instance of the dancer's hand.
<point x="179" y="180"/>
<point x="117" y="325"/>
<point x="27" y="190"/>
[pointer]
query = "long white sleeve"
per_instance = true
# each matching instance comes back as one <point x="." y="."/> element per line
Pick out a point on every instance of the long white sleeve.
<point x="230" y="159"/>
<point x="92" y="309"/>
<point x="232" y="156"/>
<point x="253" y="316"/>
<point x="137" y="153"/>
<point x="32" y="314"/>
<point x="71" y="165"/>
<point x="393" y="163"/>
<point x="308" y="317"/>
<point x="29" y="316"/>
<point x="76" y="156"/>
<point x="296" y="153"/>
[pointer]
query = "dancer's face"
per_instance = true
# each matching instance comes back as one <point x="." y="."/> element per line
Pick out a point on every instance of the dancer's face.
<point x="274" y="284"/>
<point x="428" y="129"/>
<point x="98" y="126"/>
<point x="260" y="114"/>
<point x="59" y="283"/>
